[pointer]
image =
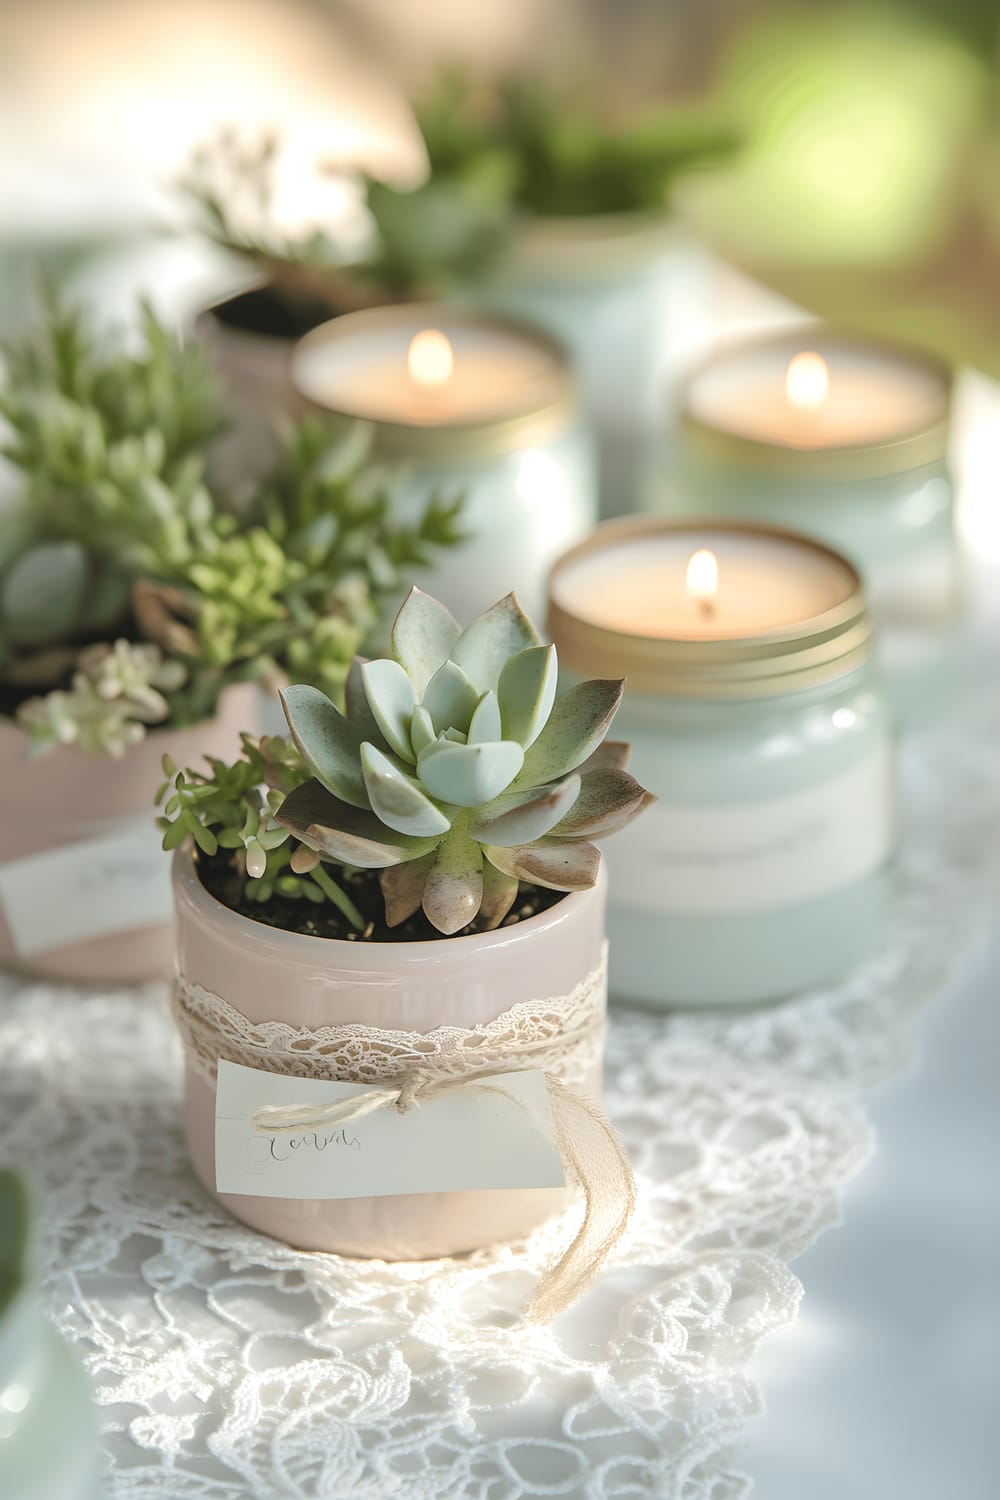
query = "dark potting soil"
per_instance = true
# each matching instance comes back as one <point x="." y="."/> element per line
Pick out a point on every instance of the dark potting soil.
<point x="221" y="876"/>
<point x="274" y="313"/>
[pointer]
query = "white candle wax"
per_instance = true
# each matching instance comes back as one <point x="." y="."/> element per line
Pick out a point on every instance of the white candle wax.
<point x="464" y="406"/>
<point x="769" y="392"/>
<point x="641" y="586"/>
<point x="362" y="368"/>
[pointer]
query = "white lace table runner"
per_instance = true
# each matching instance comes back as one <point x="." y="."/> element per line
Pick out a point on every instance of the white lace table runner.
<point x="230" y="1366"/>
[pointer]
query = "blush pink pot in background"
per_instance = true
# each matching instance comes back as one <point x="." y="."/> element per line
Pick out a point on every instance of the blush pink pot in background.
<point x="255" y="370"/>
<point x="270" y="975"/>
<point x="63" y="797"/>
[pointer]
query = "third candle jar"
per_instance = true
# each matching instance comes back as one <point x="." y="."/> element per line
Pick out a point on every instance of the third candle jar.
<point x="847" y="441"/>
<point x="756" y="714"/>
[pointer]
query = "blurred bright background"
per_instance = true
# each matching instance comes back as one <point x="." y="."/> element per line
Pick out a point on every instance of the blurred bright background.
<point x="866" y="187"/>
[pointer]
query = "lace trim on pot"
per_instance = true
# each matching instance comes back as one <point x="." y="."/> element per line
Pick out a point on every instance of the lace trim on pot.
<point x="560" y="1034"/>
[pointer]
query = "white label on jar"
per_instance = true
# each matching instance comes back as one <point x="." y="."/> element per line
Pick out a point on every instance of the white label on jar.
<point x="916" y="589"/>
<point x="89" y="889"/>
<point x="463" y="1138"/>
<point x="756" y="856"/>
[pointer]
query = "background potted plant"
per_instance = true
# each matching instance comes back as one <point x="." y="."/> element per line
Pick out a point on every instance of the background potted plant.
<point x="415" y="870"/>
<point x="594" y="253"/>
<point x="136" y="603"/>
<point x="532" y="204"/>
<point x="421" y="245"/>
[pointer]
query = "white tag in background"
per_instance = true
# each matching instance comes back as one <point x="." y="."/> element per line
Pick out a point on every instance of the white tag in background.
<point x="757" y="856"/>
<point x="464" y="1138"/>
<point x="89" y="889"/>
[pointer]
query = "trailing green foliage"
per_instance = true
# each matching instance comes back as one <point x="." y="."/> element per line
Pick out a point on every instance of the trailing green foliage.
<point x="234" y="806"/>
<point x="120" y="536"/>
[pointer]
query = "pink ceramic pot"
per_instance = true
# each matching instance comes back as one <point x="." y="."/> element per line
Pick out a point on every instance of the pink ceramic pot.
<point x="64" y="798"/>
<point x="255" y="371"/>
<point x="310" y="982"/>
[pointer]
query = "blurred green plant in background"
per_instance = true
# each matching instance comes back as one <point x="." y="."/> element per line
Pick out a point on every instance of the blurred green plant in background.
<point x="867" y="189"/>
<point x="498" y="152"/>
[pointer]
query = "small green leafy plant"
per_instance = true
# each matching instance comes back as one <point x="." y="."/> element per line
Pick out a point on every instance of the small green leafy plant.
<point x="234" y="807"/>
<point x="573" y="164"/>
<point x="120" y="542"/>
<point x="457" y="772"/>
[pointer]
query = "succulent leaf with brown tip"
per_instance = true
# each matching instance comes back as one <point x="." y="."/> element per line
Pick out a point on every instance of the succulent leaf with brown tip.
<point x="458" y="770"/>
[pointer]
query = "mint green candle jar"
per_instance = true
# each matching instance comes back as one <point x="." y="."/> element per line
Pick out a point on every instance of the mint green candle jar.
<point x="463" y="404"/>
<point x="757" y="716"/>
<point x="823" y="433"/>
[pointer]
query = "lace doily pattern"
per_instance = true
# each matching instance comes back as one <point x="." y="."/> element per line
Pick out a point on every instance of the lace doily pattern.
<point x="230" y="1366"/>
<point x="561" y="1034"/>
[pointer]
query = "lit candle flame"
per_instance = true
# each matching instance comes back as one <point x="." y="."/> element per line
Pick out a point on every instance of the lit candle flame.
<point x="703" y="581"/>
<point x="429" y="359"/>
<point x="807" y="382"/>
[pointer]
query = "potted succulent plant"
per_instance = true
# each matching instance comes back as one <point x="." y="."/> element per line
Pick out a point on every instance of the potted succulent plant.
<point x="136" y="605"/>
<point x="42" y="1389"/>
<point x="402" y="885"/>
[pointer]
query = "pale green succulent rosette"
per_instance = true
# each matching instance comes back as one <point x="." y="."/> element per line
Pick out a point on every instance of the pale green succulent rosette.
<point x="458" y="771"/>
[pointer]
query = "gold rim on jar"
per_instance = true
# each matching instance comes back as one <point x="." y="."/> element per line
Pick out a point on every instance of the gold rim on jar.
<point x="531" y="422"/>
<point x="924" y="443"/>
<point x="795" y="656"/>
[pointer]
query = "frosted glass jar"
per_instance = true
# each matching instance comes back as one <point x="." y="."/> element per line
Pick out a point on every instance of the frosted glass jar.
<point x="870" y="478"/>
<point x="501" y="428"/>
<point x="766" y="867"/>
<point x="613" y="289"/>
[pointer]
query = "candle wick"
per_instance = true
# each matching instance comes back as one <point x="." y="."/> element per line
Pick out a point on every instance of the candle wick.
<point x="706" y="608"/>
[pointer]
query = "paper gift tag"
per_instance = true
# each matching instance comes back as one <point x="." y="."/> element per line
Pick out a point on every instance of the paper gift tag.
<point x="88" y="889"/>
<point x="463" y="1138"/>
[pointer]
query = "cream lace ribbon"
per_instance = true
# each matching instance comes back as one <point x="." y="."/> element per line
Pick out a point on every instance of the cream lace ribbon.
<point x="562" y="1036"/>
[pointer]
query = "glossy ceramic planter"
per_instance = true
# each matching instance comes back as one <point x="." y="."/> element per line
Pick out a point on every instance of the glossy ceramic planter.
<point x="64" y="798"/>
<point x="270" y="975"/>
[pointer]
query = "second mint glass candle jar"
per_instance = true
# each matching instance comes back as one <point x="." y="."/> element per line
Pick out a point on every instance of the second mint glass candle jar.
<point x="847" y="441"/>
<point x="756" y="715"/>
<point x="462" y="404"/>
